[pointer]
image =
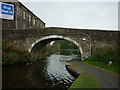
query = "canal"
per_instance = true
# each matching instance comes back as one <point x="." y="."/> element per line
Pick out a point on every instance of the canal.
<point x="44" y="73"/>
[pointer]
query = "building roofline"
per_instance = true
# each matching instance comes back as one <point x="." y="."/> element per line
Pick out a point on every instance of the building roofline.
<point x="30" y="11"/>
<point x="83" y="29"/>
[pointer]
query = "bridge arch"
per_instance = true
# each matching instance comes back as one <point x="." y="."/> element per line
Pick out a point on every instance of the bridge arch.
<point x="47" y="39"/>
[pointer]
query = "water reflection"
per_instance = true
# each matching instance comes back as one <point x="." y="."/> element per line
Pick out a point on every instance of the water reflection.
<point x="45" y="73"/>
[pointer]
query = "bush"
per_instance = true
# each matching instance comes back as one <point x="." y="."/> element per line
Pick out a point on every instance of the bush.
<point x="12" y="55"/>
<point x="102" y="58"/>
<point x="109" y="54"/>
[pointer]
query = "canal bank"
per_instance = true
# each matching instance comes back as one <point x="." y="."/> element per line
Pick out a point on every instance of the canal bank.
<point x="88" y="74"/>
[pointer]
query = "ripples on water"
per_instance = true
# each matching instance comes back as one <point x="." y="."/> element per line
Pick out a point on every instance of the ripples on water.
<point x="45" y="73"/>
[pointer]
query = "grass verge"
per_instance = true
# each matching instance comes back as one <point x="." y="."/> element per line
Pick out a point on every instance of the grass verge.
<point x="85" y="81"/>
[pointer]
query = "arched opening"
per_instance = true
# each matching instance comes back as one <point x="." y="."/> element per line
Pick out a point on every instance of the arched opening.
<point x="40" y="43"/>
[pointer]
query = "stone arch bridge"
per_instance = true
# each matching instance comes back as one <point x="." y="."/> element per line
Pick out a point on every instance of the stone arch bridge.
<point x="86" y="40"/>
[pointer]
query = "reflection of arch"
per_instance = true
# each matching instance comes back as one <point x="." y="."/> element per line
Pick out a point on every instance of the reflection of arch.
<point x="56" y="37"/>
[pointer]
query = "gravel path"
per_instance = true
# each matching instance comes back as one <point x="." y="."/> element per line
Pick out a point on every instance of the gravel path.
<point x="105" y="79"/>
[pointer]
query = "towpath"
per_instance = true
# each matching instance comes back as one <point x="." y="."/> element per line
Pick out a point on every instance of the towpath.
<point x="105" y="79"/>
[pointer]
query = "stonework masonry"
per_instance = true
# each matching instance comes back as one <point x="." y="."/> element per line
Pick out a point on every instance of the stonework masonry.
<point x="99" y="39"/>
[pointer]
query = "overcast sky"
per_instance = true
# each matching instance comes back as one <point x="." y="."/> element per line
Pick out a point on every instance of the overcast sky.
<point x="83" y="15"/>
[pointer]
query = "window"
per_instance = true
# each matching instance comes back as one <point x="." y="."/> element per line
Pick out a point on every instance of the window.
<point x="29" y="18"/>
<point x="23" y="14"/>
<point x="24" y="25"/>
<point x="38" y="25"/>
<point x="19" y="11"/>
<point x="34" y="22"/>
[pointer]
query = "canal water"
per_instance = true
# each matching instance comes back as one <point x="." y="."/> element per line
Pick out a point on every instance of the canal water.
<point x="45" y="73"/>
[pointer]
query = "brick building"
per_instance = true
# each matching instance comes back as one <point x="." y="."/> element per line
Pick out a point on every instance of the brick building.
<point x="23" y="19"/>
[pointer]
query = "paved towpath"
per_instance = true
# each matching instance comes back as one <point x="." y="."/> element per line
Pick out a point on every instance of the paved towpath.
<point x="105" y="79"/>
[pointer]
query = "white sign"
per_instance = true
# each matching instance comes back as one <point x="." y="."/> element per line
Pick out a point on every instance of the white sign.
<point x="6" y="11"/>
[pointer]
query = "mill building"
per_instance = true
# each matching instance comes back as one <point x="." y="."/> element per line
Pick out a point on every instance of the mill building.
<point x="23" y="18"/>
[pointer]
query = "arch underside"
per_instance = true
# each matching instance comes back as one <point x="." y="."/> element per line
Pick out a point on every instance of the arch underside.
<point x="40" y="43"/>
